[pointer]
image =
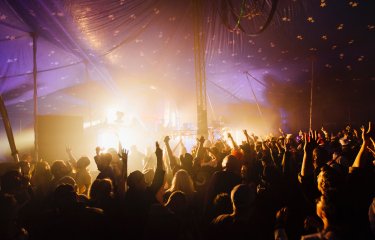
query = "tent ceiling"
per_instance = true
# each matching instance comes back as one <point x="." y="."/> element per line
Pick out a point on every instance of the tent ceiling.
<point x="93" y="50"/>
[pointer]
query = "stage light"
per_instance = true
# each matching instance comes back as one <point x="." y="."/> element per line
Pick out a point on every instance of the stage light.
<point x="111" y="115"/>
<point x="107" y="139"/>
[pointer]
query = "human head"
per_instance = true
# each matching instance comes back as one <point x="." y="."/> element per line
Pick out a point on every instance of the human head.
<point x="232" y="164"/>
<point x="328" y="179"/>
<point x="115" y="156"/>
<point x="42" y="174"/>
<point x="136" y="181"/>
<point x="59" y="169"/>
<point x="104" y="161"/>
<point x="11" y="182"/>
<point x="25" y="167"/>
<point x="177" y="202"/>
<point x="67" y="180"/>
<point x="222" y="204"/>
<point x="182" y="182"/>
<point x="83" y="162"/>
<point x="320" y="157"/>
<point x="64" y="196"/>
<point x="242" y="197"/>
<point x="101" y="188"/>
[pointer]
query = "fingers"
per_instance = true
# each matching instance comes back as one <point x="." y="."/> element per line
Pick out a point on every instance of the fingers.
<point x="371" y="150"/>
<point x="305" y="138"/>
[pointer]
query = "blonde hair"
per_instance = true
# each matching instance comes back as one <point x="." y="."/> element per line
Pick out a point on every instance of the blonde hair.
<point x="182" y="182"/>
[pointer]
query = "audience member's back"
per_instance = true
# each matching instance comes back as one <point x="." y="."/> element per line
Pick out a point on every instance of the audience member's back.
<point x="69" y="219"/>
<point x="240" y="224"/>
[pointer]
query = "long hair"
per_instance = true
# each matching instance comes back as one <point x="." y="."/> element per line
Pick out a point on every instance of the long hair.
<point x="182" y="182"/>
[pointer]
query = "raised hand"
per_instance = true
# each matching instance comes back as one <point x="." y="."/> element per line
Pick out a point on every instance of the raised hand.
<point x="167" y="139"/>
<point x="355" y="133"/>
<point x="310" y="141"/>
<point x="324" y="131"/>
<point x="68" y="149"/>
<point x="159" y="156"/>
<point x="286" y="144"/>
<point x="366" y="133"/>
<point x="281" y="217"/>
<point x="360" y="161"/>
<point x="123" y="154"/>
<point x="372" y="150"/>
<point x="307" y="167"/>
<point x="97" y="151"/>
<point x="158" y="151"/>
<point x="202" y="139"/>
<point x="235" y="146"/>
<point x="72" y="159"/>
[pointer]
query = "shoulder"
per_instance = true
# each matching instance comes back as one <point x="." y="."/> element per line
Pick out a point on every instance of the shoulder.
<point x="223" y="219"/>
<point x="314" y="236"/>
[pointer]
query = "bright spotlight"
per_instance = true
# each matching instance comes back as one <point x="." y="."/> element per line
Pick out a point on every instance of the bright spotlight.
<point x="111" y="115"/>
<point x="107" y="139"/>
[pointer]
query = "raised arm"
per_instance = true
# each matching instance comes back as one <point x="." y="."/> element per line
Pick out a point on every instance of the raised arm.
<point x="282" y="133"/>
<point x="183" y="150"/>
<point x="372" y="149"/>
<point x="72" y="159"/>
<point x="123" y="154"/>
<point x="366" y="141"/>
<point x="267" y="153"/>
<point x="158" y="180"/>
<point x="247" y="136"/>
<point x="172" y="158"/>
<point x="235" y="146"/>
<point x="200" y="151"/>
<point x="307" y="167"/>
<point x="326" y="135"/>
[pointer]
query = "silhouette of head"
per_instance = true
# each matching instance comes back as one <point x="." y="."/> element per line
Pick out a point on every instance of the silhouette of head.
<point x="101" y="189"/>
<point x="177" y="202"/>
<point x="136" y="181"/>
<point x="104" y="161"/>
<point x="83" y="162"/>
<point x="64" y="196"/>
<point x="232" y="164"/>
<point x="242" y="197"/>
<point x="59" y="169"/>
<point x="182" y="182"/>
<point x="11" y="182"/>
<point x="329" y="179"/>
<point x="320" y="157"/>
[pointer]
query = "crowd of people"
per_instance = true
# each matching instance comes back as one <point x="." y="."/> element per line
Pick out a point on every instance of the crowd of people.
<point x="316" y="185"/>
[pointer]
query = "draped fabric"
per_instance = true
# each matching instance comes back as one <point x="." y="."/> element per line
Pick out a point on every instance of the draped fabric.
<point x="122" y="50"/>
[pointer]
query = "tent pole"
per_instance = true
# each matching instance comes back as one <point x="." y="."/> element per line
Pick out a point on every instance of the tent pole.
<point x="8" y="130"/>
<point x="200" y="69"/>
<point x="35" y="98"/>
